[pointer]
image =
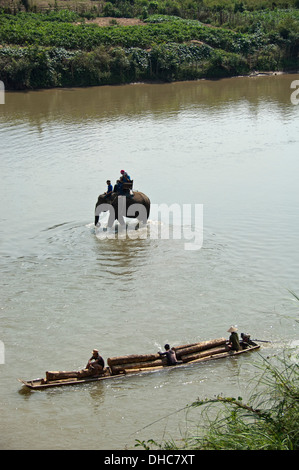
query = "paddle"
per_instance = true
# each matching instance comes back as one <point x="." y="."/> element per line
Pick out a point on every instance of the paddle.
<point x="262" y="341"/>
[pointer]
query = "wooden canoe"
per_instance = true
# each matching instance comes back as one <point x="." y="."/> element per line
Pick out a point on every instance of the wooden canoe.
<point x="203" y="356"/>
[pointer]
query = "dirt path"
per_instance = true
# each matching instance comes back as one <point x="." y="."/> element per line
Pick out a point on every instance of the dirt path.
<point x="107" y="21"/>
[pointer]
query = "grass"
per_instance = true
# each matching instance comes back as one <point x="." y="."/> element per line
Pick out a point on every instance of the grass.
<point x="268" y="421"/>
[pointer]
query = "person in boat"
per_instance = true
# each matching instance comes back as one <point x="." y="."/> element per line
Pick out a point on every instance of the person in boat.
<point x="170" y="355"/>
<point x="245" y="341"/>
<point x="96" y="363"/>
<point x="109" y="191"/>
<point x="233" y="341"/>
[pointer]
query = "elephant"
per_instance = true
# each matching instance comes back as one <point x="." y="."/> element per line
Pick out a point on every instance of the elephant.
<point x="136" y="205"/>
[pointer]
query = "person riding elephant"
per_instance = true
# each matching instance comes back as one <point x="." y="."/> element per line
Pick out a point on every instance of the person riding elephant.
<point x="125" y="178"/>
<point x="109" y="191"/>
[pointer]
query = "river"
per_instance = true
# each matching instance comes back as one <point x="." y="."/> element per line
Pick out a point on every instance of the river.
<point x="228" y="147"/>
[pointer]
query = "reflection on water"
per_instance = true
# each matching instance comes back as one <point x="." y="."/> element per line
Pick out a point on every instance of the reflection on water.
<point x="108" y="103"/>
<point x="121" y="256"/>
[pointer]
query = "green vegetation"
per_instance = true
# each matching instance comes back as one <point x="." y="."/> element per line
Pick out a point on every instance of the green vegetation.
<point x="62" y="48"/>
<point x="269" y="421"/>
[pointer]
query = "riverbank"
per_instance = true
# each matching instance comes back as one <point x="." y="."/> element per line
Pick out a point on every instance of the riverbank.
<point x="65" y="49"/>
<point x="268" y="421"/>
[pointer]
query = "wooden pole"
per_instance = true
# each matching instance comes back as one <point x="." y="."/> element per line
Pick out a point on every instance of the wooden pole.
<point x="57" y="375"/>
<point x="204" y="345"/>
<point x="117" y="368"/>
<point x="132" y="358"/>
<point x="208" y="352"/>
<point x="141" y="361"/>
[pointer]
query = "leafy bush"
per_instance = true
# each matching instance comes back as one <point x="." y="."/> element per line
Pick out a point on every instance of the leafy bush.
<point x="58" y="48"/>
<point x="22" y="29"/>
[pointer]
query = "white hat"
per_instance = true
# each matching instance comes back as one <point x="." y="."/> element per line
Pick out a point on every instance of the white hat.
<point x="232" y="329"/>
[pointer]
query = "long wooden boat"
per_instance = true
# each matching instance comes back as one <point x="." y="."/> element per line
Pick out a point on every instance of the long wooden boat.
<point x="125" y="366"/>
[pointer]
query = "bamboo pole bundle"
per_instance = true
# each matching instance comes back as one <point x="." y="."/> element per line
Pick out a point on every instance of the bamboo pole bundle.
<point x="74" y="374"/>
<point x="117" y="368"/>
<point x="206" y="353"/>
<point x="142" y="369"/>
<point x="132" y="358"/>
<point x="144" y="361"/>
<point x="202" y="346"/>
<point x="57" y="375"/>
<point x="184" y="346"/>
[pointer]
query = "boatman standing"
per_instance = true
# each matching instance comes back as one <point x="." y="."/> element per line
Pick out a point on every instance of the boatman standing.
<point x="233" y="342"/>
